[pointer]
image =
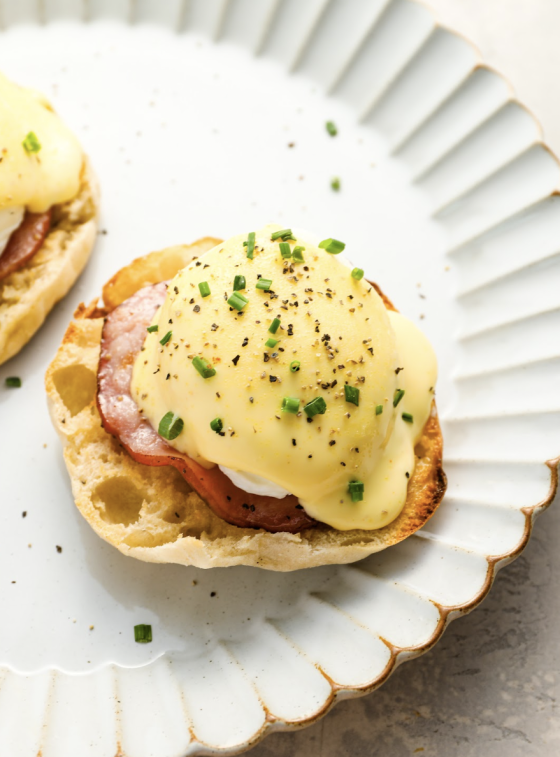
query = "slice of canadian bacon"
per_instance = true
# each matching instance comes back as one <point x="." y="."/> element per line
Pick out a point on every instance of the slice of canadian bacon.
<point x="25" y="242"/>
<point x="124" y="333"/>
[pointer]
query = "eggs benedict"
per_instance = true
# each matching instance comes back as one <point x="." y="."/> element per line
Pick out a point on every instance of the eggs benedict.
<point x="284" y="389"/>
<point x="48" y="205"/>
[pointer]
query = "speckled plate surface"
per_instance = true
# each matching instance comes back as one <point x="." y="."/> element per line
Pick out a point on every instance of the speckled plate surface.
<point x="207" y="117"/>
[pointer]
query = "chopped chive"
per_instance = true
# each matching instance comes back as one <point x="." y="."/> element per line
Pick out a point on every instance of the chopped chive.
<point x="170" y="426"/>
<point x="31" y="144"/>
<point x="239" y="283"/>
<point x="331" y="128"/>
<point x="203" y="367"/>
<point x="397" y="397"/>
<point x="295" y="366"/>
<point x="285" y="250"/>
<point x="357" y="273"/>
<point x="351" y="394"/>
<point x="332" y="245"/>
<point x="356" y="490"/>
<point x="273" y="328"/>
<point x="204" y="287"/>
<point x="318" y="406"/>
<point x="407" y="417"/>
<point x="335" y="184"/>
<point x="143" y="633"/>
<point x="271" y="342"/>
<point x="297" y="255"/>
<point x="250" y="244"/>
<point x="282" y="234"/>
<point x="13" y="382"/>
<point x="290" y="405"/>
<point x="153" y="328"/>
<point x="216" y="425"/>
<point x="163" y="341"/>
<point x="378" y="409"/>
<point x="237" y="301"/>
<point x="264" y="284"/>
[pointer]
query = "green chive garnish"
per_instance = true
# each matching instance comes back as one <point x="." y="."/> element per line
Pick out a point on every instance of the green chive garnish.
<point x="237" y="301"/>
<point x="331" y="128"/>
<point x="285" y="250"/>
<point x="378" y="409"/>
<point x="143" y="633"/>
<point x="250" y="244"/>
<point x="407" y="417"/>
<point x="351" y="394"/>
<point x="163" y="341"/>
<point x="170" y="426"/>
<point x="282" y="234"/>
<point x="297" y="255"/>
<point x="356" y="490"/>
<point x="295" y="366"/>
<point x="318" y="406"/>
<point x="203" y="367"/>
<point x="357" y="273"/>
<point x="204" y="287"/>
<point x="239" y="283"/>
<point x="153" y="328"/>
<point x="335" y="184"/>
<point x="216" y="425"/>
<point x="290" y="405"/>
<point x="31" y="144"/>
<point x="332" y="245"/>
<point x="13" y="382"/>
<point x="397" y="397"/>
<point x="264" y="284"/>
<point x="273" y="328"/>
<point x="271" y="342"/>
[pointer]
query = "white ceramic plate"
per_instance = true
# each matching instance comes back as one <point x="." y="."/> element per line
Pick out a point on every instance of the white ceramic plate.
<point x="207" y="117"/>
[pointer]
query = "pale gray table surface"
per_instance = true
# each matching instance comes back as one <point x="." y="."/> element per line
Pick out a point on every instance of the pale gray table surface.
<point x="490" y="687"/>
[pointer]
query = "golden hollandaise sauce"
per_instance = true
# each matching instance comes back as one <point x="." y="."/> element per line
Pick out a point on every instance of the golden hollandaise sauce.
<point x="40" y="158"/>
<point x="300" y="376"/>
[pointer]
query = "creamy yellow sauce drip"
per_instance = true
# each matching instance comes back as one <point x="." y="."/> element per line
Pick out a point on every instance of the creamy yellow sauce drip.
<point x="339" y="330"/>
<point x="35" y="180"/>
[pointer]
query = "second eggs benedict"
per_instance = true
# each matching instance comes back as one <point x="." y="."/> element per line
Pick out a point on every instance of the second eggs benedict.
<point x="48" y="209"/>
